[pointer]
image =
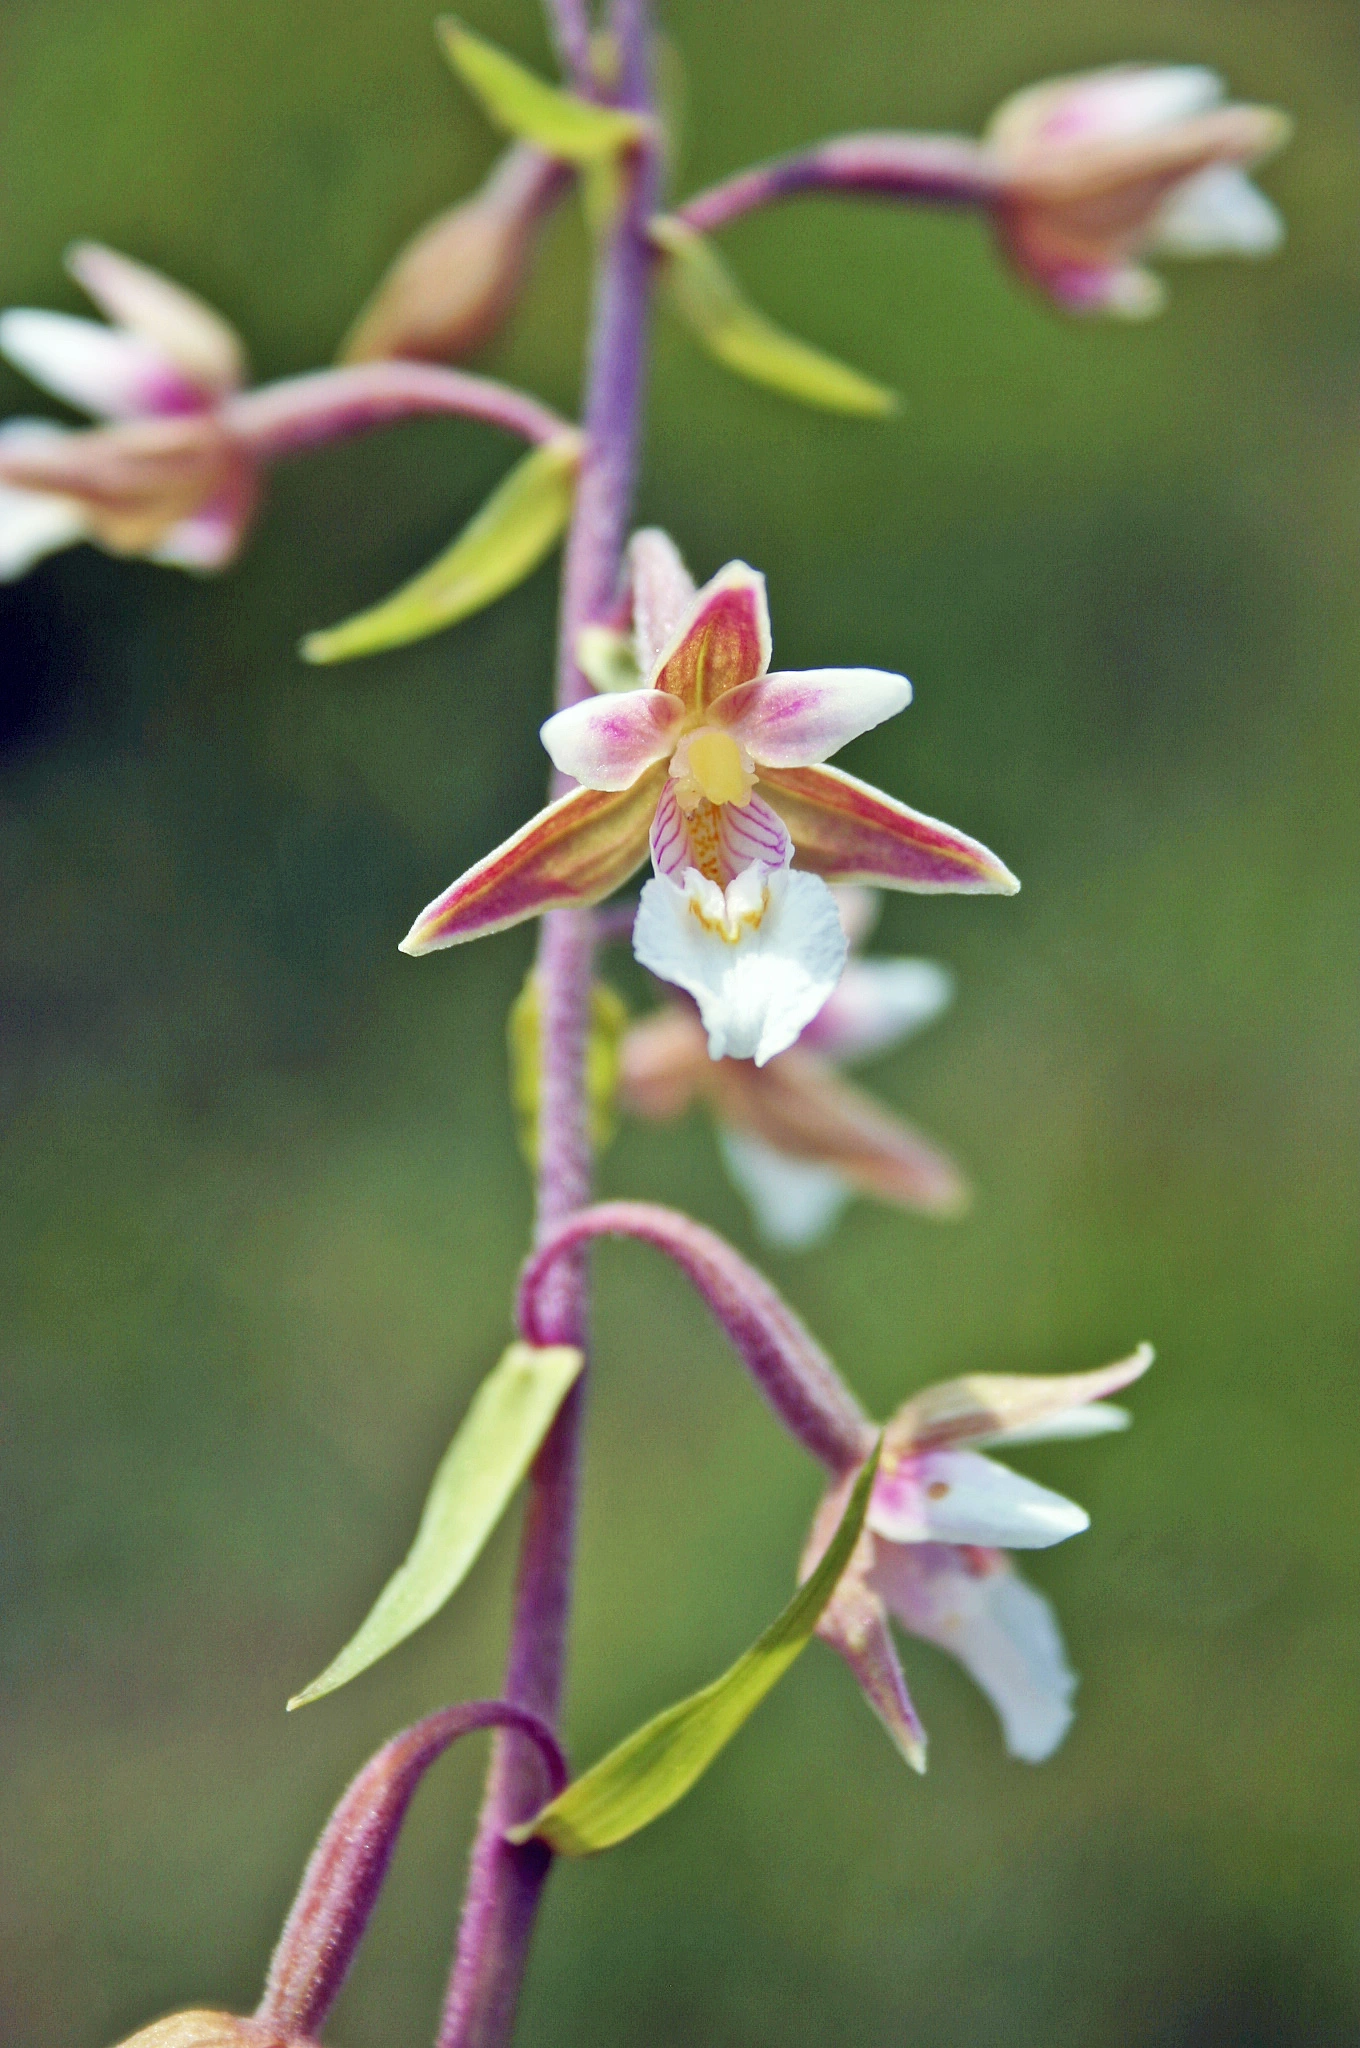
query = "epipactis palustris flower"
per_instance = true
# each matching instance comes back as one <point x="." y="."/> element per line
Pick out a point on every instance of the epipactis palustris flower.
<point x="797" y="1140"/>
<point x="673" y="767"/>
<point x="941" y="1521"/>
<point x="1102" y="169"/>
<point x="164" y="478"/>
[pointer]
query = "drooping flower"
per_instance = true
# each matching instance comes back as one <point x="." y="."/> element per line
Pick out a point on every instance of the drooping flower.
<point x="165" y="478"/>
<point x="797" y="1140"/>
<point x="1100" y="170"/>
<point x="934" y="1554"/>
<point x="175" y="475"/>
<point x="673" y="767"/>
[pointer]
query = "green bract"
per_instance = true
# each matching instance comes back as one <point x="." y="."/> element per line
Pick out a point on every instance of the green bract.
<point x="655" y="1766"/>
<point x="510" y="1415"/>
<point x="712" y="305"/>
<point x="525" y="516"/>
<point x="566" y="126"/>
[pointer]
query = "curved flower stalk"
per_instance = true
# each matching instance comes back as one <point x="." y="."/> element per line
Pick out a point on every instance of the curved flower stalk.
<point x="942" y="1519"/>
<point x="785" y="1360"/>
<point x="176" y="473"/>
<point x="344" y="1877"/>
<point x="673" y="768"/>
<point x="798" y="1141"/>
<point x="342" y="1881"/>
<point x="1083" y="177"/>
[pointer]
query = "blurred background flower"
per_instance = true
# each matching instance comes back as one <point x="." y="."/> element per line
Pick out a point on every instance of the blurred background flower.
<point x="263" y="1205"/>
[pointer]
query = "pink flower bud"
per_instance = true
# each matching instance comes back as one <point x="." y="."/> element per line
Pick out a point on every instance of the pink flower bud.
<point x="455" y="281"/>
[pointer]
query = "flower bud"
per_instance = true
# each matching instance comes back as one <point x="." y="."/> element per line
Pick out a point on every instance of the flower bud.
<point x="454" y="283"/>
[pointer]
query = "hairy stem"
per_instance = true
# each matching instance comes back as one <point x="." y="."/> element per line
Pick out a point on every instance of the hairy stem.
<point x="341" y="1884"/>
<point x="936" y="170"/>
<point x="504" y="1881"/>
<point x="785" y="1360"/>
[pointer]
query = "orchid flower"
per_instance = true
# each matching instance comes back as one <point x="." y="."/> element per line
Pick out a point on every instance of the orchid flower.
<point x="165" y="479"/>
<point x="175" y="473"/>
<point x="941" y="1521"/>
<point x="797" y="1140"/>
<point x="673" y="767"/>
<point x="1099" y="170"/>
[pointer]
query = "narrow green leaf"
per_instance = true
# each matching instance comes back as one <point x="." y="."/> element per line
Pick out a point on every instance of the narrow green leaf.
<point x="712" y="305"/>
<point x="516" y="99"/>
<point x="660" y="1761"/>
<point x="510" y="1415"/>
<point x="524" y="518"/>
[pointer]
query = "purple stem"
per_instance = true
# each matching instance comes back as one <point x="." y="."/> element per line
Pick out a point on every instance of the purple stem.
<point x="941" y="170"/>
<point x="329" y="405"/>
<point x="569" y="24"/>
<point x="785" y="1360"/>
<point x="340" y="1886"/>
<point x="504" y="1882"/>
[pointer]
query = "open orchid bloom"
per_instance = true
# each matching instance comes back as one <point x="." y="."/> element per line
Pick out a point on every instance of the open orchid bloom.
<point x="1102" y="169"/>
<point x="797" y="1140"/>
<point x="164" y="478"/>
<point x="673" y="768"/>
<point x="934" y="1553"/>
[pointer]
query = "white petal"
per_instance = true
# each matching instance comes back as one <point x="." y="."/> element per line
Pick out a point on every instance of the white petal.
<point x="1101" y="1418"/>
<point x="608" y="742"/>
<point x="795" y="1204"/>
<point x="759" y="961"/>
<point x="1134" y="99"/>
<point x="176" y="322"/>
<point x="799" y="718"/>
<point x="877" y="1003"/>
<point x="1003" y="1633"/>
<point x="102" y="370"/>
<point x="32" y="525"/>
<point x="961" y="1497"/>
<point x="1218" y="212"/>
<point x="1120" y="101"/>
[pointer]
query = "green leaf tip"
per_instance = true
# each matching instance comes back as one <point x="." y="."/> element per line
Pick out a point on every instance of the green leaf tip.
<point x="714" y="308"/>
<point x="514" y="98"/>
<point x="724" y="320"/>
<point x="523" y="519"/>
<point x="511" y="1413"/>
<point x="655" y="1766"/>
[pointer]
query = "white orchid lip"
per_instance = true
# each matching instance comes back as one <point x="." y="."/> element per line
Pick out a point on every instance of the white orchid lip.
<point x="759" y="957"/>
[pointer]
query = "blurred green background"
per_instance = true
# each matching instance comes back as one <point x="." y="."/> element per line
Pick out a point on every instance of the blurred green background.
<point x="262" y="1207"/>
